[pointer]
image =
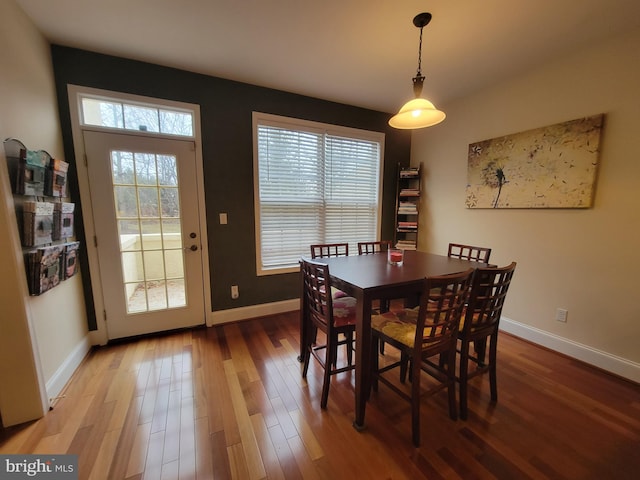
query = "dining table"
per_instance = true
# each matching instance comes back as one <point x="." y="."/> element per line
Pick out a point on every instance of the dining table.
<point x="371" y="277"/>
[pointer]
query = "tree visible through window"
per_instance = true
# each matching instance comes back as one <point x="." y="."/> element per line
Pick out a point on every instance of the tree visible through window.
<point x="315" y="183"/>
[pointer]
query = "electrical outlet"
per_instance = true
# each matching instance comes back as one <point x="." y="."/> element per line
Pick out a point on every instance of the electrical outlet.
<point x="234" y="292"/>
<point x="561" y="315"/>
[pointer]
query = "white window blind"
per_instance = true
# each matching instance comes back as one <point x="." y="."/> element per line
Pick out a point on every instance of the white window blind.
<point x="314" y="185"/>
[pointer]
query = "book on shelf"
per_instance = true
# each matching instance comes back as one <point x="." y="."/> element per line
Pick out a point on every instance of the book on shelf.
<point x="409" y="172"/>
<point x="408" y="224"/>
<point x="407" y="208"/>
<point x="406" y="245"/>
<point x="409" y="192"/>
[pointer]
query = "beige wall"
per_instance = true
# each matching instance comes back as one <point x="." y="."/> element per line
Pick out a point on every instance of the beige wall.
<point x="580" y="260"/>
<point x="39" y="336"/>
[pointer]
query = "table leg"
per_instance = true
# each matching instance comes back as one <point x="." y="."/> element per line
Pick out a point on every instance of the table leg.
<point x="363" y="358"/>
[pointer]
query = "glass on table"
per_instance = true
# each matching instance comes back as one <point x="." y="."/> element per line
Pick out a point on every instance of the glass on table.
<point x="395" y="256"/>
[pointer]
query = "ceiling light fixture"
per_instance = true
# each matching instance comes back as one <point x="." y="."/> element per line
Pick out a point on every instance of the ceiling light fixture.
<point x="419" y="112"/>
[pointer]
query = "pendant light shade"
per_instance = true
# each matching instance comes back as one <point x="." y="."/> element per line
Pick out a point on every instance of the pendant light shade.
<point x="419" y="112"/>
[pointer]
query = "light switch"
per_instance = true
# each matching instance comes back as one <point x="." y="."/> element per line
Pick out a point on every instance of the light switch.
<point x="223" y="219"/>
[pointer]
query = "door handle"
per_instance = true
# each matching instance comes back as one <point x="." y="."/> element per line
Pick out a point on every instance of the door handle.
<point x="193" y="248"/>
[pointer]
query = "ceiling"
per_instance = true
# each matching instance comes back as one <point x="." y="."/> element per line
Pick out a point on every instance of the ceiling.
<point x="359" y="52"/>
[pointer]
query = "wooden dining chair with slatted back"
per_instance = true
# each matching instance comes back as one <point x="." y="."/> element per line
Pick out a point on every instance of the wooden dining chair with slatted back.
<point x="469" y="252"/>
<point x="480" y="321"/>
<point x="474" y="254"/>
<point x="329" y="315"/>
<point x="367" y="248"/>
<point x="323" y="250"/>
<point x="380" y="246"/>
<point x="424" y="335"/>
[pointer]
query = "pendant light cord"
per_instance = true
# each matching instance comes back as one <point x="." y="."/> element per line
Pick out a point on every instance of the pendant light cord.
<point x="419" y="73"/>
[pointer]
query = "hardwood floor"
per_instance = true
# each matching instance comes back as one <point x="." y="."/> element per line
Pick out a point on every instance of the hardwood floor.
<point x="229" y="402"/>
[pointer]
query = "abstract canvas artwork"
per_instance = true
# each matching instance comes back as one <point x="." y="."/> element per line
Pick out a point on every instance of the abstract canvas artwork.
<point x="548" y="167"/>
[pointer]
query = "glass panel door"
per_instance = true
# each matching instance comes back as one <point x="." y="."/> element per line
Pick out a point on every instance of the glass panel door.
<point x="148" y="231"/>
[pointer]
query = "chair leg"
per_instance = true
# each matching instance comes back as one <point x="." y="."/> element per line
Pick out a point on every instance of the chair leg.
<point x="480" y="347"/>
<point x="375" y="364"/>
<point x="305" y="367"/>
<point x="329" y="360"/>
<point x="451" y="387"/>
<point x="309" y="342"/>
<point x="384" y="307"/>
<point x="463" y="374"/>
<point x="349" y="336"/>
<point x="404" y="364"/>
<point x="493" y="381"/>
<point x="415" y="407"/>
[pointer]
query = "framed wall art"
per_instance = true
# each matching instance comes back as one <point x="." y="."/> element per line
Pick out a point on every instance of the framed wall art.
<point x="548" y="167"/>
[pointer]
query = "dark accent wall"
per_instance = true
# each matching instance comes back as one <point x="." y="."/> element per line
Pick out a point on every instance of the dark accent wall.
<point x="226" y="108"/>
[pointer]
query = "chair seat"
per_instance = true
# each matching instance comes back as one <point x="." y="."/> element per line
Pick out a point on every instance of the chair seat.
<point x="344" y="311"/>
<point x="399" y="326"/>
<point x="335" y="293"/>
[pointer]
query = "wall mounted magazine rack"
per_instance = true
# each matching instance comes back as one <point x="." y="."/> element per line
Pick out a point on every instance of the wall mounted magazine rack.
<point x="45" y="220"/>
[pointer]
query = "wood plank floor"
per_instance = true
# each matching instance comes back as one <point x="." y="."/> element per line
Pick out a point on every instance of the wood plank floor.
<point x="229" y="403"/>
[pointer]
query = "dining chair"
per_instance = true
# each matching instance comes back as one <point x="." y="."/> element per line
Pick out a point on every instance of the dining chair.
<point x="381" y="246"/>
<point x="476" y="254"/>
<point x="421" y="333"/>
<point x="321" y="250"/>
<point x="469" y="252"/>
<point x="479" y="322"/>
<point x="333" y="317"/>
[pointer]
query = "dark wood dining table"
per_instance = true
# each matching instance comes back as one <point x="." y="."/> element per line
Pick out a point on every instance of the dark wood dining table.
<point x="371" y="277"/>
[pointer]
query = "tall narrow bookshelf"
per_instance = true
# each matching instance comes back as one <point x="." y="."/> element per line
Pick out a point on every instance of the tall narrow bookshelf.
<point x="407" y="207"/>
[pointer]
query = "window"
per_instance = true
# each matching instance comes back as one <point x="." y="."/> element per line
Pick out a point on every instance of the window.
<point x="314" y="183"/>
<point x="114" y="113"/>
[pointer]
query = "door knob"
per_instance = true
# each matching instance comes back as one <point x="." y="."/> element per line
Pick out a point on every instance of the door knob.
<point x="193" y="248"/>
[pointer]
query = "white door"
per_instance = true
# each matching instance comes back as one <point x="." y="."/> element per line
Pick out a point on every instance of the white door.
<point x="148" y="234"/>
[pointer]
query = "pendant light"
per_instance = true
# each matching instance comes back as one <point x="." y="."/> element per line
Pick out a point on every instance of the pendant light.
<point x="419" y="112"/>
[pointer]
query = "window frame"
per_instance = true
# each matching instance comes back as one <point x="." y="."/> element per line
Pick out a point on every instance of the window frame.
<point x="290" y="123"/>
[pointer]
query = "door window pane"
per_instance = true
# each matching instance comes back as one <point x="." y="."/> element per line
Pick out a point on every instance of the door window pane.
<point x="149" y="225"/>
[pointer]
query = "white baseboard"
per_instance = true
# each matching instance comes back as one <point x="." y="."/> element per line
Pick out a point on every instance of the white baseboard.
<point x="611" y="363"/>
<point x="252" y="311"/>
<point x="62" y="375"/>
